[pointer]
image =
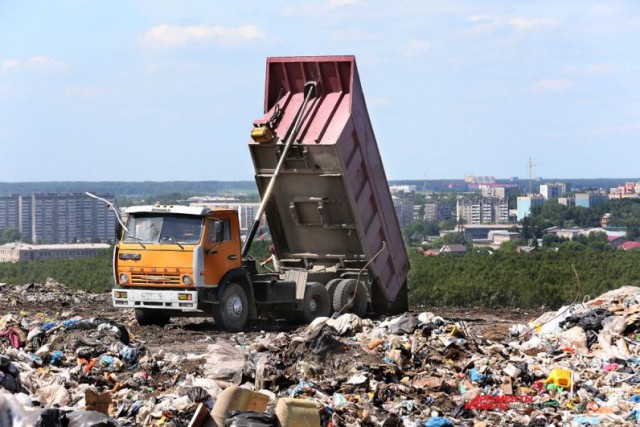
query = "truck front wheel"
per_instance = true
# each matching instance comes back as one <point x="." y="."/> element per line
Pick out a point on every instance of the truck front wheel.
<point x="232" y="312"/>
<point x="149" y="316"/>
<point x="316" y="302"/>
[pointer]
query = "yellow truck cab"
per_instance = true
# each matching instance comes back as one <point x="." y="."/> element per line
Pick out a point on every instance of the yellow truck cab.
<point x="173" y="258"/>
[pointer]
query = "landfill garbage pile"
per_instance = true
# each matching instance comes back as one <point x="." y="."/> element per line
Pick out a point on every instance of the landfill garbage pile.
<point x="68" y="359"/>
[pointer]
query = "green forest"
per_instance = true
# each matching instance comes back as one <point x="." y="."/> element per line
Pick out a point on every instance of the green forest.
<point x="92" y="274"/>
<point x="500" y="278"/>
<point x="504" y="278"/>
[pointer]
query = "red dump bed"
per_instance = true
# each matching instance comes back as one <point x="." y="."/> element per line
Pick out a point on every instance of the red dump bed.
<point x="331" y="207"/>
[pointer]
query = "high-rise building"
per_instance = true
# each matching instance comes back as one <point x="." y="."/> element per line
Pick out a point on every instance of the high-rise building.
<point x="554" y="190"/>
<point x="495" y="192"/>
<point x="567" y="201"/>
<point x="590" y="199"/>
<point x="482" y="210"/>
<point x="404" y="211"/>
<point x="525" y="203"/>
<point x="58" y="218"/>
<point x="437" y="211"/>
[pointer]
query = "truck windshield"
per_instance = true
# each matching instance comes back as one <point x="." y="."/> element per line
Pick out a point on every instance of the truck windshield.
<point x="164" y="229"/>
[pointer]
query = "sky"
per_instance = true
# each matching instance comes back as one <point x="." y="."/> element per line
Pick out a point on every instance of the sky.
<point x="160" y="90"/>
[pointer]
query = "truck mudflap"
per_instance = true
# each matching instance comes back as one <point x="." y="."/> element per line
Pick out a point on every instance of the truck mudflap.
<point x="154" y="298"/>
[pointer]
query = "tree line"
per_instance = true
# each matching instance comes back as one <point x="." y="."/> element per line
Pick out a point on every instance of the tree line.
<point x="504" y="278"/>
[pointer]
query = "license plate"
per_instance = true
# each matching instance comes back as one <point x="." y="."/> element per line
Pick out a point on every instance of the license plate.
<point x="151" y="296"/>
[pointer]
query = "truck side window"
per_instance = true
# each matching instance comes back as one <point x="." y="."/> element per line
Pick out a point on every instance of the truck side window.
<point x="219" y="230"/>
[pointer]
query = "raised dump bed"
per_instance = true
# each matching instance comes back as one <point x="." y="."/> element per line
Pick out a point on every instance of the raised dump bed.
<point x="331" y="213"/>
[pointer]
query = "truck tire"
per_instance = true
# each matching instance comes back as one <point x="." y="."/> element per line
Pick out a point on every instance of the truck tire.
<point x="331" y="287"/>
<point x="232" y="313"/>
<point x="150" y="316"/>
<point x="316" y="302"/>
<point x="345" y="292"/>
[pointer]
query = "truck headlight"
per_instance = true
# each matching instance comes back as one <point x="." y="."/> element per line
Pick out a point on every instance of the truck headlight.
<point x="186" y="280"/>
<point x="124" y="279"/>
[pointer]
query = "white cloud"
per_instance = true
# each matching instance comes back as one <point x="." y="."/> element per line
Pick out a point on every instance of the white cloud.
<point x="322" y="7"/>
<point x="173" y="36"/>
<point x="484" y="23"/>
<point x="524" y="24"/>
<point x="44" y="63"/>
<point x="481" y="18"/>
<point x="334" y="4"/>
<point x="552" y="85"/>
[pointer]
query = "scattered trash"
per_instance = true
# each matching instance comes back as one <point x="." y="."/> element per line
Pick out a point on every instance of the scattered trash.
<point x="577" y="366"/>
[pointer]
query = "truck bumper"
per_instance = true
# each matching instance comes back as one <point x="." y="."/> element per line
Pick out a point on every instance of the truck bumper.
<point x="141" y="298"/>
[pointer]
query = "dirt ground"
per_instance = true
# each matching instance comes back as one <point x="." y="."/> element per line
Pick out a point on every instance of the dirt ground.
<point x="184" y="335"/>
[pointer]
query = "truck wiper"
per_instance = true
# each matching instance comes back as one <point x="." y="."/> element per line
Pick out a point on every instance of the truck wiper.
<point x="137" y="240"/>
<point x="173" y="240"/>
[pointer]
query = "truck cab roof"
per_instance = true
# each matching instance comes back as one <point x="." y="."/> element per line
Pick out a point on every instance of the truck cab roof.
<point x="184" y="210"/>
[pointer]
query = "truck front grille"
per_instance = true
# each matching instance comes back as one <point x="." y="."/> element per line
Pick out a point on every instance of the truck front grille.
<point x="155" y="279"/>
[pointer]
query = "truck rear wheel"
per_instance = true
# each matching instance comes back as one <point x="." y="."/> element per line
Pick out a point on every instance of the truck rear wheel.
<point x="232" y="312"/>
<point x="331" y="287"/>
<point x="149" y="316"/>
<point x="351" y="296"/>
<point x="316" y="302"/>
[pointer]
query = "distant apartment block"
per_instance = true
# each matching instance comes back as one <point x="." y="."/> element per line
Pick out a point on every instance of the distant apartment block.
<point x="525" y="203"/>
<point x="482" y="210"/>
<point x="628" y="190"/>
<point x="437" y="211"/>
<point x="493" y="192"/>
<point x="58" y="218"/>
<point x="16" y="252"/>
<point x="567" y="201"/>
<point x="552" y="191"/>
<point x="404" y="211"/>
<point x="591" y="199"/>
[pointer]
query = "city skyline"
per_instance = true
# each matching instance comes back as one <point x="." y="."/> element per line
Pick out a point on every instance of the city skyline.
<point x="165" y="91"/>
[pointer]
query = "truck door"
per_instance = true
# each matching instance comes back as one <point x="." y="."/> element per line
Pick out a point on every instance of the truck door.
<point x="221" y="249"/>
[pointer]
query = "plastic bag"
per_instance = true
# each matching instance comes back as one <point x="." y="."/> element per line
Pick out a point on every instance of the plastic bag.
<point x="250" y="419"/>
<point x="89" y="419"/>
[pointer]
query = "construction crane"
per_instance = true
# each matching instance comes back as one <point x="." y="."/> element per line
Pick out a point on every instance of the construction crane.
<point x="531" y="165"/>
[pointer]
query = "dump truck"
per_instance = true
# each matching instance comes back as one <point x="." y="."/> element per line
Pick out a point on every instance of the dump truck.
<point x="327" y="203"/>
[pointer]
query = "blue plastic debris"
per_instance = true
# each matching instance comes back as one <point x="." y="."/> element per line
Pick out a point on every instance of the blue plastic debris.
<point x="55" y="358"/>
<point x="70" y="323"/>
<point x="475" y="375"/>
<point x="587" y="421"/>
<point x="438" y="422"/>
<point x="129" y="354"/>
<point x="48" y="326"/>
